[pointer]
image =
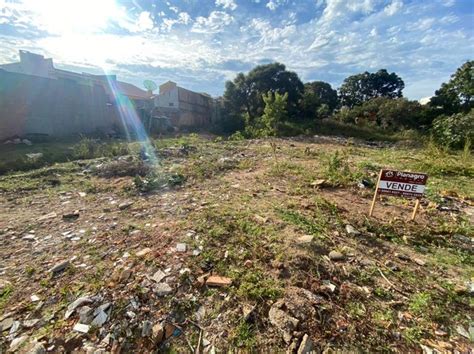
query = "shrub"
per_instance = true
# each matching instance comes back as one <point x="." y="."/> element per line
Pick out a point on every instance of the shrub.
<point x="454" y="131"/>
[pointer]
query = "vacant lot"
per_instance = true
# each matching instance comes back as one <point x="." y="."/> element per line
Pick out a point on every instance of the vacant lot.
<point x="127" y="249"/>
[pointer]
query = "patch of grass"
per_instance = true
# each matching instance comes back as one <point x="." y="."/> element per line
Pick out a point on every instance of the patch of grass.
<point x="420" y="303"/>
<point x="244" y="335"/>
<point x="5" y="294"/>
<point x="356" y="309"/>
<point x="257" y="286"/>
<point x="336" y="169"/>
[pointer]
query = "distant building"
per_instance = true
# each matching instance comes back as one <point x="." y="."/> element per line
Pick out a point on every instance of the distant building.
<point x="37" y="98"/>
<point x="37" y="65"/>
<point x="183" y="107"/>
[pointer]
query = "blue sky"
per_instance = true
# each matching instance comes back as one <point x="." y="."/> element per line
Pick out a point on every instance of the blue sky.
<point x="202" y="43"/>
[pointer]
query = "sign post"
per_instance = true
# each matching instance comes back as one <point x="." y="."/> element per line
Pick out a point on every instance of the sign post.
<point x="402" y="184"/>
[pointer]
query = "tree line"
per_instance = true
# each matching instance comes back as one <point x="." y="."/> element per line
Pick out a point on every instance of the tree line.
<point x="269" y="98"/>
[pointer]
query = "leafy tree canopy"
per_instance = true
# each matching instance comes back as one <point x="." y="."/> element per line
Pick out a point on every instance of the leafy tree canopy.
<point x="456" y="95"/>
<point x="360" y="88"/>
<point x="244" y="95"/>
<point x="319" y="99"/>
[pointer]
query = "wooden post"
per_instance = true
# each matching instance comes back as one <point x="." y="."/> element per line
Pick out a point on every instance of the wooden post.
<point x="415" y="209"/>
<point x="375" y="194"/>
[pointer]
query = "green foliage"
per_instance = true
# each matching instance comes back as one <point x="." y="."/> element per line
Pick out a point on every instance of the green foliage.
<point x="386" y="113"/>
<point x="420" y="303"/>
<point x="455" y="131"/>
<point x="244" y="95"/>
<point x="357" y="89"/>
<point x="319" y="100"/>
<point x="274" y="115"/>
<point x="457" y="95"/>
<point x="88" y="148"/>
<point x="336" y="169"/>
<point x="256" y="285"/>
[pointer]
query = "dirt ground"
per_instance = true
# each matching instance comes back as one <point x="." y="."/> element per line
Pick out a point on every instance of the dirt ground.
<point x="105" y="264"/>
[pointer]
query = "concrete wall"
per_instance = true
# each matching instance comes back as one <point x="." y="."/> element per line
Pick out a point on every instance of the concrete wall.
<point x="30" y="104"/>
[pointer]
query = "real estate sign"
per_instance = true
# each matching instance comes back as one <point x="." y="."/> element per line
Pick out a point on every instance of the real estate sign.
<point x="402" y="184"/>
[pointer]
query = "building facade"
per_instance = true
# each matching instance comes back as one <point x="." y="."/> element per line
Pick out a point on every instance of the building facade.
<point x="184" y="108"/>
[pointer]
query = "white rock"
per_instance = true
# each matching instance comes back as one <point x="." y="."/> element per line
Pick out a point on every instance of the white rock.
<point x="77" y="303"/>
<point x="163" y="289"/>
<point x="181" y="247"/>
<point x="81" y="328"/>
<point x="351" y="230"/>
<point x="34" y="298"/>
<point x="158" y="276"/>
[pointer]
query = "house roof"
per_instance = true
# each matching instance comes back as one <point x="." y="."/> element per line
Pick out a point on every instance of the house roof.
<point x="132" y="91"/>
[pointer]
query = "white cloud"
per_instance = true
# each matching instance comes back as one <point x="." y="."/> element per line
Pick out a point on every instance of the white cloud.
<point x="216" y="22"/>
<point x="145" y="22"/>
<point x="227" y="4"/>
<point x="274" y="4"/>
<point x="394" y="7"/>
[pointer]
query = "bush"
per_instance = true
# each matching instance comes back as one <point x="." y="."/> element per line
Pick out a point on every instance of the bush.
<point x="386" y="113"/>
<point x="454" y="131"/>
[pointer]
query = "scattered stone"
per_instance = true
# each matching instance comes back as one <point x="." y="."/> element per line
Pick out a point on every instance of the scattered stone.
<point x="181" y="247"/>
<point x="163" y="289"/>
<point x="200" y="313"/>
<point x="35" y="348"/>
<point x="143" y="252"/>
<point x="18" y="342"/>
<point x="305" y="239"/>
<point x="158" y="276"/>
<point x="72" y="215"/>
<point x="157" y="333"/>
<point x="51" y="215"/>
<point x="82" y="194"/>
<point x="247" y="311"/>
<point x="125" y="205"/>
<point x="4" y="284"/>
<point x="34" y="298"/>
<point x="205" y="342"/>
<point x="85" y="315"/>
<point x="100" y="318"/>
<point x="351" y="230"/>
<point x="306" y="345"/>
<point x="216" y="280"/>
<point x="248" y="263"/>
<point x="392" y="266"/>
<point x="59" y="267"/>
<point x="366" y="262"/>
<point x="280" y="319"/>
<point x="319" y="183"/>
<point x="260" y="219"/>
<point x="196" y="252"/>
<point x="6" y="324"/>
<point x="441" y="333"/>
<point x="30" y="323"/>
<point x="419" y="261"/>
<point x="336" y="256"/>
<point x="77" y="303"/>
<point x="125" y="274"/>
<point x="147" y="329"/>
<point x="327" y="285"/>
<point x="81" y="328"/>
<point x="403" y="257"/>
<point x="29" y="237"/>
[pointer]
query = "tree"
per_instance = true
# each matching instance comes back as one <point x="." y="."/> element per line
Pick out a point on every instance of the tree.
<point x="360" y="88"/>
<point x="457" y="95"/>
<point x="274" y="112"/>
<point x="319" y="99"/>
<point x="387" y="113"/>
<point x="455" y="131"/>
<point x="244" y="95"/>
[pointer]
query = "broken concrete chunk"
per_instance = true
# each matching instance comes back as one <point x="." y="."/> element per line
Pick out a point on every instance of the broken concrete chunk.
<point x="100" y="319"/>
<point x="147" y="329"/>
<point x="306" y="345"/>
<point x="157" y="333"/>
<point x="125" y="205"/>
<point x="6" y="324"/>
<point x="158" y="276"/>
<point x="18" y="342"/>
<point x="77" y="303"/>
<point x="351" y="230"/>
<point x="280" y="319"/>
<point x="81" y="328"/>
<point x="30" y="323"/>
<point x="216" y="280"/>
<point x="181" y="247"/>
<point x="85" y="315"/>
<point x="143" y="252"/>
<point x="59" y="267"/>
<point x="163" y="289"/>
<point x="336" y="256"/>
